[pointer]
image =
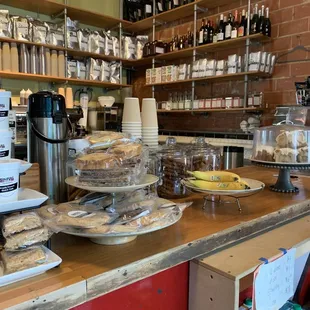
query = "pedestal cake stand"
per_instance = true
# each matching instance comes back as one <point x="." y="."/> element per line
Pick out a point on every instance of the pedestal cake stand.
<point x="283" y="184"/>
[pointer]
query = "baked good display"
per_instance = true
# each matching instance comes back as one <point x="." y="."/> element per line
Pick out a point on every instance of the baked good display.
<point x="20" y="222"/>
<point x="108" y="137"/>
<point x="21" y="260"/>
<point x="287" y="144"/>
<point x="123" y="164"/>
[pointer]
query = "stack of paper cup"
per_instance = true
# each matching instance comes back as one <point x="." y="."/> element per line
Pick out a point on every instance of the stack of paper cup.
<point x="149" y="122"/>
<point x="5" y="133"/>
<point x="131" y="122"/>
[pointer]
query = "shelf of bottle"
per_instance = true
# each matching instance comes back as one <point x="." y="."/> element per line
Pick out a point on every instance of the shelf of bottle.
<point x="212" y="110"/>
<point x="58" y="80"/>
<point x="216" y="78"/>
<point x="206" y="48"/>
<point x="182" y="11"/>
<point x="50" y="7"/>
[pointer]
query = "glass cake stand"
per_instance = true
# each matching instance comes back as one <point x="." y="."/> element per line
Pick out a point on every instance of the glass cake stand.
<point x="283" y="184"/>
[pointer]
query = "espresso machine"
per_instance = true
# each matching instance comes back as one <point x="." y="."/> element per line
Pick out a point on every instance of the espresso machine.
<point x="47" y="142"/>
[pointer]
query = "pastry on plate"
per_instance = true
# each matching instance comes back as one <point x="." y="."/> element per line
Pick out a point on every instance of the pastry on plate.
<point x="264" y="153"/>
<point x="303" y="155"/>
<point x="96" y="161"/>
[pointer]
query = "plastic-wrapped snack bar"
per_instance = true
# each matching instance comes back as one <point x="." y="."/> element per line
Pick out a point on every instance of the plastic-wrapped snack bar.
<point x="17" y="223"/>
<point x="105" y="137"/>
<point x="97" y="161"/>
<point x="26" y="239"/>
<point x="83" y="219"/>
<point x="127" y="151"/>
<point x="17" y="261"/>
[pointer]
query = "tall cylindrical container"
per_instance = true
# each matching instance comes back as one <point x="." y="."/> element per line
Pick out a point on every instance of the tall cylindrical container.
<point x="48" y="142"/>
<point x="14" y="58"/>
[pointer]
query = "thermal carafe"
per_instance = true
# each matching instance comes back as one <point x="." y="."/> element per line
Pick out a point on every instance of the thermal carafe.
<point x="48" y="142"/>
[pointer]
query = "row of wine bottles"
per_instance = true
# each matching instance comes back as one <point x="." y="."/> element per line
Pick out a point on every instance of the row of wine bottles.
<point x="233" y="26"/>
<point x="135" y="10"/>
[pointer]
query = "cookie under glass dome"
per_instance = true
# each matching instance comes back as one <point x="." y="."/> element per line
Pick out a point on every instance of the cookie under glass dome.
<point x="283" y="144"/>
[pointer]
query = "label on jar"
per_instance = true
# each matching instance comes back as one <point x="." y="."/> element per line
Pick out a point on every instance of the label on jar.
<point x="176" y="2"/>
<point x="160" y="7"/>
<point x="228" y="31"/>
<point x="159" y="50"/>
<point x="200" y="36"/>
<point x="241" y="31"/>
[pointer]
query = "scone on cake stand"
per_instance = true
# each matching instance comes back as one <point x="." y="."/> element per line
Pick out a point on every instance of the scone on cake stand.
<point x="285" y="147"/>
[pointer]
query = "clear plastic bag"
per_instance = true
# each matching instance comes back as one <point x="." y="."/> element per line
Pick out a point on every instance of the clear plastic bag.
<point x="20" y="222"/>
<point x="21" y="260"/>
<point x="27" y="238"/>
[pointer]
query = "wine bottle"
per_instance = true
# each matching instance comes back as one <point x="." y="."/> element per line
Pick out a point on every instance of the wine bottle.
<point x="221" y="29"/>
<point x="190" y="39"/>
<point x="206" y="33"/>
<point x="254" y="20"/>
<point x="242" y="26"/>
<point x="259" y="28"/>
<point x="267" y="24"/>
<point x="215" y="32"/>
<point x="201" y="32"/>
<point x="160" y="6"/>
<point x="175" y="4"/>
<point x="148" y="8"/>
<point x="210" y="33"/>
<point x="235" y="26"/>
<point x="228" y="27"/>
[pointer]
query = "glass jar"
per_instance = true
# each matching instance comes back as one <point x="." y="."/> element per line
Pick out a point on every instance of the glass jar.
<point x="173" y="165"/>
<point x="204" y="157"/>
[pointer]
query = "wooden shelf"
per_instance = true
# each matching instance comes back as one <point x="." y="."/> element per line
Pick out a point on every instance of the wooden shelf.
<point x="53" y="79"/>
<point x="212" y="110"/>
<point x="224" y="77"/>
<point x="49" y="7"/>
<point x="175" y="14"/>
<point x="207" y="48"/>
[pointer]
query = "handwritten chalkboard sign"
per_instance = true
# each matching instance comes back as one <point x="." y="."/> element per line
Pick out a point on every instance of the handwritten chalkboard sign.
<point x="274" y="282"/>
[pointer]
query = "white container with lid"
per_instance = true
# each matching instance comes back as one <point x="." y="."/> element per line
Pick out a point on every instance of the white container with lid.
<point x="9" y="180"/>
<point x="5" y="144"/>
<point x="5" y="98"/>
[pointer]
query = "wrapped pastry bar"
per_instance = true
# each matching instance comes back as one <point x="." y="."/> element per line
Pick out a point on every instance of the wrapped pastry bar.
<point x="17" y="223"/>
<point x="16" y="261"/>
<point x="26" y="239"/>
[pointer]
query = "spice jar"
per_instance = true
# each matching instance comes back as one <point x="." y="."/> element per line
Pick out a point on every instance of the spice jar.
<point x="173" y="165"/>
<point x="204" y="157"/>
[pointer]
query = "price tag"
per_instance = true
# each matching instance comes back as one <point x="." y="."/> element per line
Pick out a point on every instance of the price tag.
<point x="274" y="282"/>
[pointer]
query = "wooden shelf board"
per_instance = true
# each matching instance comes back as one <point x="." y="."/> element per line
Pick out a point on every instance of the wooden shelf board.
<point x="224" y="77"/>
<point x="212" y="110"/>
<point x="52" y="79"/>
<point x="31" y="77"/>
<point x="174" y="14"/>
<point x="46" y="7"/>
<point x="49" y="7"/>
<point x="96" y="83"/>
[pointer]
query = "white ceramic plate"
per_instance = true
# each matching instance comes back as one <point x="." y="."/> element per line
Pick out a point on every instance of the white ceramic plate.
<point x="24" y="165"/>
<point x="149" y="179"/>
<point x="255" y="187"/>
<point x="27" y="198"/>
<point x="53" y="260"/>
<point x="121" y="238"/>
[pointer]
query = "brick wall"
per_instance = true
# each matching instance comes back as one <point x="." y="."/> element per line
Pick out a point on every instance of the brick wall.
<point x="290" y="27"/>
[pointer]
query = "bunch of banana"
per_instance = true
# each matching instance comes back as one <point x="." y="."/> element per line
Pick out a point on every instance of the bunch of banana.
<point x="218" y="180"/>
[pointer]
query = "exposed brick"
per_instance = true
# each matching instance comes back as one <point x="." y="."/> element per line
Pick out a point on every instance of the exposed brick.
<point x="286" y="84"/>
<point x="281" y="16"/>
<point x="286" y="3"/>
<point x="301" y="11"/>
<point x="300" y="69"/>
<point x="293" y="27"/>
<point x="273" y="4"/>
<point x="301" y="39"/>
<point x="280" y="44"/>
<point x="295" y="56"/>
<point x="281" y="71"/>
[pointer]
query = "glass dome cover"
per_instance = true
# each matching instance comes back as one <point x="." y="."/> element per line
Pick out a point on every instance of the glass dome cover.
<point x="284" y="143"/>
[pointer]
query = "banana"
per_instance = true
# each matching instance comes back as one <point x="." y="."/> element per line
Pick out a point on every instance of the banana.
<point x="220" y="185"/>
<point x="215" y="176"/>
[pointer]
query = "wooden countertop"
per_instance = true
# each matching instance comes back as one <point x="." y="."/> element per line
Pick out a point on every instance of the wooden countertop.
<point x="90" y="270"/>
